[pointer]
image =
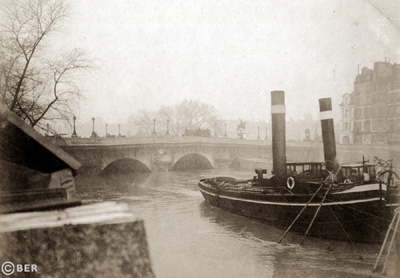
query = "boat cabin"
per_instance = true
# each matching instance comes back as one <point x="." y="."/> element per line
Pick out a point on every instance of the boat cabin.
<point x="358" y="173"/>
<point x="308" y="170"/>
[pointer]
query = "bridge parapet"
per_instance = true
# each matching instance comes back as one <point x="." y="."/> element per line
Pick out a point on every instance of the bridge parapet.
<point x="157" y="140"/>
<point x="172" y="140"/>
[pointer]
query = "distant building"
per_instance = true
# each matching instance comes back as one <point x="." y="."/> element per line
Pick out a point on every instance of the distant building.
<point x="371" y="113"/>
<point x="198" y="132"/>
<point x="307" y="135"/>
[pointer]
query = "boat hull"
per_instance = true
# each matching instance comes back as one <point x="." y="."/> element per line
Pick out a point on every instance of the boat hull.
<point x="354" y="216"/>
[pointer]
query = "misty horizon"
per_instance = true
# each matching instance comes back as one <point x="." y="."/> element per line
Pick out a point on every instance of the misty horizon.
<point x="229" y="54"/>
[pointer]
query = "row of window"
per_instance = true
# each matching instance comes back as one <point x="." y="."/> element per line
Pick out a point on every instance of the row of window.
<point x="366" y="100"/>
<point x="369" y="138"/>
<point x="394" y="85"/>
<point x="393" y="98"/>
<point x="372" y="112"/>
<point x="393" y="111"/>
<point x="394" y="125"/>
<point x="377" y="125"/>
<point x="377" y="87"/>
<point x="394" y="135"/>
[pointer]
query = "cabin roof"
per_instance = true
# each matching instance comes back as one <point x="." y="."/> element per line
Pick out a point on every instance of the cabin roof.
<point x="356" y="165"/>
<point x="304" y="163"/>
<point x="21" y="144"/>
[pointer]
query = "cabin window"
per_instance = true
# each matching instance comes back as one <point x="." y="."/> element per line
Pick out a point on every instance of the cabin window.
<point x="315" y="169"/>
<point x="371" y="170"/>
<point x="346" y="172"/>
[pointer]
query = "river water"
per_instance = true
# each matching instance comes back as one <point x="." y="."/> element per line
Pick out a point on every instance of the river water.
<point x="189" y="238"/>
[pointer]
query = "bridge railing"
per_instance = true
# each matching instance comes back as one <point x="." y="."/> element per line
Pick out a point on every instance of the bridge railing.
<point x="193" y="139"/>
<point x="172" y="140"/>
<point x="154" y="139"/>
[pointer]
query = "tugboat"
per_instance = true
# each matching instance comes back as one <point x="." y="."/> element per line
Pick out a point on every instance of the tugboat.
<point x="321" y="199"/>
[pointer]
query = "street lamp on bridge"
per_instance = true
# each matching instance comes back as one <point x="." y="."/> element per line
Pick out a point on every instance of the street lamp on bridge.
<point x="258" y="134"/>
<point x="119" y="130"/>
<point x="167" y="134"/>
<point x="94" y="135"/>
<point x="74" y="133"/>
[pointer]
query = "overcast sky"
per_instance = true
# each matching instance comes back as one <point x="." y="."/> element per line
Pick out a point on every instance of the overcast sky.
<point x="227" y="53"/>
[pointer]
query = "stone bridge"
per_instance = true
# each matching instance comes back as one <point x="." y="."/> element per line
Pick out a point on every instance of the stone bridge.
<point x="166" y="154"/>
<point x="170" y="153"/>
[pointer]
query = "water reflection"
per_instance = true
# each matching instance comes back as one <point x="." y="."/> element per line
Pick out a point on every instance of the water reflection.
<point x="112" y="187"/>
<point x="189" y="238"/>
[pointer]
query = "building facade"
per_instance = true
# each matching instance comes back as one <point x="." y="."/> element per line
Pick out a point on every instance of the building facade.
<point x="371" y="113"/>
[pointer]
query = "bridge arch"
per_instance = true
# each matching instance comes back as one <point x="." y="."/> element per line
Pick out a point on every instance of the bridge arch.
<point x="193" y="161"/>
<point x="125" y="166"/>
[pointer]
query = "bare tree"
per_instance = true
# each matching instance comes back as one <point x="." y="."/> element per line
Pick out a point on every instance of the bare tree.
<point x="143" y="121"/>
<point x="195" y="114"/>
<point x="166" y="115"/>
<point x="186" y="115"/>
<point x="34" y="84"/>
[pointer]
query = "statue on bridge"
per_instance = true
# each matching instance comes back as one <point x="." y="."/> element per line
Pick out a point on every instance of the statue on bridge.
<point x="241" y="130"/>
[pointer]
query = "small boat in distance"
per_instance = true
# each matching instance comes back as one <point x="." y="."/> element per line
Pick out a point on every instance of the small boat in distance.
<point x="321" y="199"/>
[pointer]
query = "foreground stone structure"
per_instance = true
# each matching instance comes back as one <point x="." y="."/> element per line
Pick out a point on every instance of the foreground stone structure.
<point x="99" y="240"/>
<point x="44" y="229"/>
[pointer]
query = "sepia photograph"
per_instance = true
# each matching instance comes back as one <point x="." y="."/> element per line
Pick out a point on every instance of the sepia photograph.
<point x="176" y="139"/>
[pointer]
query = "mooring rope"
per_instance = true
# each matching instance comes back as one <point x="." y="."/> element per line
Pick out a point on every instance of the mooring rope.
<point x="298" y="215"/>
<point x="304" y="208"/>
<point x="316" y="213"/>
<point x="344" y="230"/>
<point x="358" y="218"/>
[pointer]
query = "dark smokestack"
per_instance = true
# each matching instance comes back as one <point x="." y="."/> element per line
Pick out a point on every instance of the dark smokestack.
<point x="328" y="133"/>
<point x="278" y="132"/>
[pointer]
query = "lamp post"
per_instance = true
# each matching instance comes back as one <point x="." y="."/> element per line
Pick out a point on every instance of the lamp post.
<point x="74" y="133"/>
<point x="258" y="134"/>
<point x="154" y="126"/>
<point x="119" y="130"/>
<point x="225" y="131"/>
<point x="93" y="133"/>
<point x="167" y="128"/>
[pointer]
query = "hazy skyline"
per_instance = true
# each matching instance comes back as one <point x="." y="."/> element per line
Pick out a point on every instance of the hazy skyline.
<point x="227" y="53"/>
